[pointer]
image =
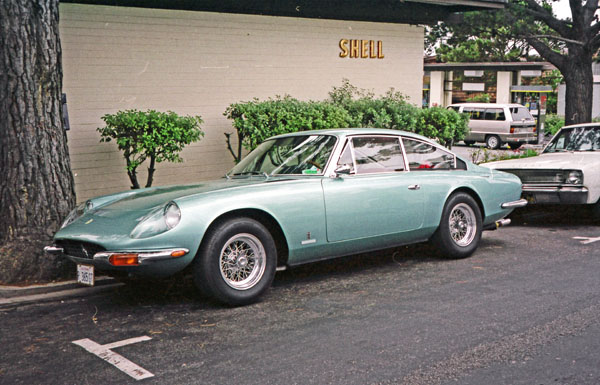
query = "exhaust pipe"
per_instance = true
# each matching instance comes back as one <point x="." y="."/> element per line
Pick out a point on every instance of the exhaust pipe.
<point x="497" y="224"/>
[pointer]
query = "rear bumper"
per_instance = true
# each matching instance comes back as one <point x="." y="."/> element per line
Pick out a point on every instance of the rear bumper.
<point x="514" y="204"/>
<point x="553" y="194"/>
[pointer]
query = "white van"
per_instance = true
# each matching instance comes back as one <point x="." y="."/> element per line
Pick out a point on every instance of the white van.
<point x="496" y="124"/>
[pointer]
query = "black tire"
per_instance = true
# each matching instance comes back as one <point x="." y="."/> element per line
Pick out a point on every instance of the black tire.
<point x="459" y="239"/>
<point x="469" y="142"/>
<point x="493" y="142"/>
<point x="596" y="211"/>
<point x="515" y="145"/>
<point x="240" y="276"/>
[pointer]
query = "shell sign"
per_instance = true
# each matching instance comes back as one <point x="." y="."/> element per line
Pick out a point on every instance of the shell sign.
<point x="361" y="49"/>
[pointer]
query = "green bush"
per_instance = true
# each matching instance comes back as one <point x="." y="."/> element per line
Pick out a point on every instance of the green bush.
<point x="347" y="106"/>
<point x="447" y="126"/>
<point x="158" y="136"/>
<point x="479" y="98"/>
<point x="553" y="123"/>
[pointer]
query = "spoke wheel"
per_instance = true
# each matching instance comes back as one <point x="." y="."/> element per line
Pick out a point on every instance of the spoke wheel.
<point x="460" y="228"/>
<point x="236" y="261"/>
<point x="242" y="261"/>
<point x="462" y="224"/>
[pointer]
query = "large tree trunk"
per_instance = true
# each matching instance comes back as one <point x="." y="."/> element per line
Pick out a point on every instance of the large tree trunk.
<point x="579" y="80"/>
<point x="36" y="183"/>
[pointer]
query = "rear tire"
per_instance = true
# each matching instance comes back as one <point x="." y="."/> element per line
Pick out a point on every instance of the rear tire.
<point x="515" y="146"/>
<point x="237" y="262"/>
<point x="460" y="228"/>
<point x="493" y="142"/>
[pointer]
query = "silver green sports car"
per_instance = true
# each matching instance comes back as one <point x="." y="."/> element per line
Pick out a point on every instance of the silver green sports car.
<point x="296" y="198"/>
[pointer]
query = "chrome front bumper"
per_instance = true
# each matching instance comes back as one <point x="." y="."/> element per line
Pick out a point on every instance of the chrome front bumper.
<point x="555" y="194"/>
<point x="104" y="257"/>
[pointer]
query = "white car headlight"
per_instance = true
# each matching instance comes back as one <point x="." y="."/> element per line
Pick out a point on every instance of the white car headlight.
<point x="77" y="212"/>
<point x="575" y="177"/>
<point x="158" y="221"/>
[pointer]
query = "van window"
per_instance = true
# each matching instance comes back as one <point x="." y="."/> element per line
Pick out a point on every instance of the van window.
<point x="475" y="113"/>
<point x="455" y="108"/>
<point x="494" y="114"/>
<point x="520" y="113"/>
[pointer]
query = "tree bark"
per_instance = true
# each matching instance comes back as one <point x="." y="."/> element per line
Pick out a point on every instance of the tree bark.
<point x="36" y="184"/>
<point x="579" y="79"/>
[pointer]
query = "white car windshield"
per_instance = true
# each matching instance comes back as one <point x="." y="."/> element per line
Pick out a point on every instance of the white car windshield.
<point x="292" y="155"/>
<point x="576" y="139"/>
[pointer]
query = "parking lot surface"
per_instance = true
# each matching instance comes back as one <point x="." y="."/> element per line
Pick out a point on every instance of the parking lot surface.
<point x="524" y="309"/>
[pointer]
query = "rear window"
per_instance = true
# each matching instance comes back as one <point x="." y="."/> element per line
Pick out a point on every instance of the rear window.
<point x="520" y="113"/>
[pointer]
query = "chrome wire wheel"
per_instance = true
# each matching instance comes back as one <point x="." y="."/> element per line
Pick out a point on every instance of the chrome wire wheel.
<point x="463" y="224"/>
<point x="242" y="261"/>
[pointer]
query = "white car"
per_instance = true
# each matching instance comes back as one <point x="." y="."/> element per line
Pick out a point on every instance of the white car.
<point x="566" y="172"/>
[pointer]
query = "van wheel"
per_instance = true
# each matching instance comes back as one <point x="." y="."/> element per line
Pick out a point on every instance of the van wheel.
<point x="515" y="146"/>
<point x="469" y="142"/>
<point x="493" y="142"/>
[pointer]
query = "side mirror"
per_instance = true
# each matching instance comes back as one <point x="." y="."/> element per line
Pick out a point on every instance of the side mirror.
<point x="344" y="169"/>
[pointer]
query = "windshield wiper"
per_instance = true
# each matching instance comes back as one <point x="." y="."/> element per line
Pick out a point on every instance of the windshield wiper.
<point x="251" y="173"/>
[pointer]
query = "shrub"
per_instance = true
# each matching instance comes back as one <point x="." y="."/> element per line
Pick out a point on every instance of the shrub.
<point x="553" y="123"/>
<point x="447" y="126"/>
<point x="479" y="98"/>
<point x="158" y="136"/>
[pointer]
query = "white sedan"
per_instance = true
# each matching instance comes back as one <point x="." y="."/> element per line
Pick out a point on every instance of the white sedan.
<point x="566" y="172"/>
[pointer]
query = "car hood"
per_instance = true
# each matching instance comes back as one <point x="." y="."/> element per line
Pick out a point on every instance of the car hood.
<point x="556" y="161"/>
<point x="117" y="215"/>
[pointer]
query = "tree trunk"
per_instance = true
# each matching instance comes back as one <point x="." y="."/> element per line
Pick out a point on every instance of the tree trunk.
<point x="579" y="80"/>
<point x="36" y="183"/>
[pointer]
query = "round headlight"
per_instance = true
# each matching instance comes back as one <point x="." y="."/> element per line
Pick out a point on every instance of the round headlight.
<point x="172" y="215"/>
<point x="575" y="177"/>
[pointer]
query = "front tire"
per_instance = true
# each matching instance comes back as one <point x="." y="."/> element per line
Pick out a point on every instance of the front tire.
<point x="460" y="228"/>
<point x="237" y="261"/>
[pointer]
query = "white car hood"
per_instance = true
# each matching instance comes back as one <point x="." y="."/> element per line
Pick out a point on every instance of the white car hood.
<point x="556" y="161"/>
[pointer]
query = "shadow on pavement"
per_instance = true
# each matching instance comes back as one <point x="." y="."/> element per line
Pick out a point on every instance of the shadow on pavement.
<point x="554" y="215"/>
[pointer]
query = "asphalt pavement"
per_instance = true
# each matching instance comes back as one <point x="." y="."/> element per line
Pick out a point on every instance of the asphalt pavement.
<point x="524" y="309"/>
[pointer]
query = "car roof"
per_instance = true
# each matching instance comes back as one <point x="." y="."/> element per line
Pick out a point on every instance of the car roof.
<point x="484" y="105"/>
<point x="340" y="132"/>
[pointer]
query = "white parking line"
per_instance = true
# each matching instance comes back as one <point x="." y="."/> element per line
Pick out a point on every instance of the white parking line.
<point x="586" y="240"/>
<point x="122" y="363"/>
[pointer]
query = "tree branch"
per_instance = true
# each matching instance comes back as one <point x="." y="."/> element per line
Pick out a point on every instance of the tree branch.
<point x="540" y="13"/>
<point x="559" y="39"/>
<point x="553" y="57"/>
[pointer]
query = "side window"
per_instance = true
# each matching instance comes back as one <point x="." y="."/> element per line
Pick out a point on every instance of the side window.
<point x="377" y="154"/>
<point x="494" y="114"/>
<point x="346" y="159"/>
<point x="475" y="113"/>
<point x="423" y="156"/>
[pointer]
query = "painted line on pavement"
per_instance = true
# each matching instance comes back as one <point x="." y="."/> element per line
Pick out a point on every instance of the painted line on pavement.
<point x="120" y="362"/>
<point x="586" y="240"/>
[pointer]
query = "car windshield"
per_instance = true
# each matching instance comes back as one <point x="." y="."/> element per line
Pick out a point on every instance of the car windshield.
<point x="576" y="139"/>
<point x="292" y="155"/>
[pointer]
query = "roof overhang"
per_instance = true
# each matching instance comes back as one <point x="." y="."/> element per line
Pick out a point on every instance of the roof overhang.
<point x="386" y="11"/>
<point x="494" y="66"/>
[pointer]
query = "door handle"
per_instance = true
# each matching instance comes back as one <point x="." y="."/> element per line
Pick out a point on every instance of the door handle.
<point x="414" y="187"/>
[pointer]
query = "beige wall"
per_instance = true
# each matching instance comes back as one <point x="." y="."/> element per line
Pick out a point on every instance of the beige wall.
<point x="117" y="58"/>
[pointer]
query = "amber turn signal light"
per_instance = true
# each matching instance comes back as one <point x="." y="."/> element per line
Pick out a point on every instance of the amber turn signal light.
<point x="178" y="253"/>
<point x="124" y="260"/>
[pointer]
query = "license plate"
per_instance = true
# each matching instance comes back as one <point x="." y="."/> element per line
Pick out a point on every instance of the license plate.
<point x="85" y="275"/>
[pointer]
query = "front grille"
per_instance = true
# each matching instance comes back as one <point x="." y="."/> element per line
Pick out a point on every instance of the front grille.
<point x="533" y="176"/>
<point x="78" y="249"/>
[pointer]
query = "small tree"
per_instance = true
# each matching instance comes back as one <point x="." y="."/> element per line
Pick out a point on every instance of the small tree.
<point x="158" y="136"/>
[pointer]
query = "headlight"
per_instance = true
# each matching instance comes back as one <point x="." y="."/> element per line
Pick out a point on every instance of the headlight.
<point x="77" y="212"/>
<point x="575" y="177"/>
<point x="158" y="221"/>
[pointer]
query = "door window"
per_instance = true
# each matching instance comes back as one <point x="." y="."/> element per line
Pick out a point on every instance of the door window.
<point x="377" y="154"/>
<point x="423" y="156"/>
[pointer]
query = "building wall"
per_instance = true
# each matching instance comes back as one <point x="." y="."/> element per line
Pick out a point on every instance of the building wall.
<point x="117" y="58"/>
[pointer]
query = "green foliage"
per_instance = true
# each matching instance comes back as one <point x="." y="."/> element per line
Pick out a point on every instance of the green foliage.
<point x="480" y="98"/>
<point x="347" y="106"/>
<point x="447" y="126"/>
<point x="483" y="155"/>
<point x="553" y="123"/>
<point x="154" y="135"/>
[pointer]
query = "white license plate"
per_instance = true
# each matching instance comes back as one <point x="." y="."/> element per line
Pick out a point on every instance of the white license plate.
<point x="85" y="274"/>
